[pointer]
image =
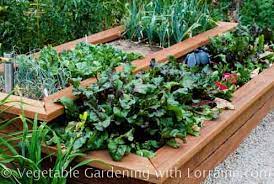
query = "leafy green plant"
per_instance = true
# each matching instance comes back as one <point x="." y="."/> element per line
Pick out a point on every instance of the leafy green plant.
<point x="53" y="71"/>
<point x="87" y="61"/>
<point x="166" y="22"/>
<point x="221" y="9"/>
<point x="167" y="102"/>
<point x="255" y="14"/>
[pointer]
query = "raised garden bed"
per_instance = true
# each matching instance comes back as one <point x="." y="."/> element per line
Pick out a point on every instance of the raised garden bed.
<point x="200" y="154"/>
<point x="48" y="110"/>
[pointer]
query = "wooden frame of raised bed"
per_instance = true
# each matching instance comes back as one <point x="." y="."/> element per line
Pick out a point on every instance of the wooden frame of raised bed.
<point x="193" y="161"/>
<point x="47" y="110"/>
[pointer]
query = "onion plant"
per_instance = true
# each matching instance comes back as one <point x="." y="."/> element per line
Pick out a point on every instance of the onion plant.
<point x="165" y="22"/>
<point x="31" y="78"/>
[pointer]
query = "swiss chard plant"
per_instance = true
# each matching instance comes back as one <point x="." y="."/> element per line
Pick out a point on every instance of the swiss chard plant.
<point x="235" y="59"/>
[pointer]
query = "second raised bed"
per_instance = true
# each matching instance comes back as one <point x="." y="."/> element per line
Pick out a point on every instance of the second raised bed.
<point x="48" y="110"/>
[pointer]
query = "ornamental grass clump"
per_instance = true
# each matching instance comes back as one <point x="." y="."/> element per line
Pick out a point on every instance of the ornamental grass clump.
<point x="167" y="22"/>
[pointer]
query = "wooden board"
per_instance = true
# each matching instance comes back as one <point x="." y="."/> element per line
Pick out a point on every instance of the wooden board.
<point x="89" y="175"/>
<point x="18" y="104"/>
<point x="132" y="165"/>
<point x="97" y="38"/>
<point x="101" y="37"/>
<point x="228" y="147"/>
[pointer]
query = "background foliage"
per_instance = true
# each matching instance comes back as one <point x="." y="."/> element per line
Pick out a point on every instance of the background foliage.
<point x="257" y="15"/>
<point x="29" y="24"/>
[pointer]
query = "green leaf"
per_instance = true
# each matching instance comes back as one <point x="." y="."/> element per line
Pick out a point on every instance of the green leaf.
<point x="118" y="149"/>
<point x="70" y="107"/>
<point x="144" y="88"/>
<point x="97" y="140"/>
<point x="127" y="101"/>
<point x="173" y="143"/>
<point x="188" y="82"/>
<point x="102" y="125"/>
<point x="168" y="133"/>
<point x="118" y="113"/>
<point x="145" y="153"/>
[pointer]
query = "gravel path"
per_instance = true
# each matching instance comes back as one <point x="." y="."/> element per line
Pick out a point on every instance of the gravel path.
<point x="252" y="162"/>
